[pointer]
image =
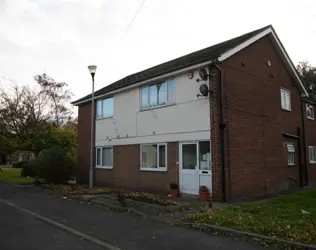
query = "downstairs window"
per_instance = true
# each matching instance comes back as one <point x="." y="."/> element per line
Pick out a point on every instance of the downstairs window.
<point x="290" y="155"/>
<point x="104" y="157"/>
<point x="153" y="157"/>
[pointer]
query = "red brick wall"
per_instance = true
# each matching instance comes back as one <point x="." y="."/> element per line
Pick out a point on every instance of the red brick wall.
<point x="256" y="155"/>
<point x="217" y="194"/>
<point x="83" y="157"/>
<point x="126" y="173"/>
<point x="310" y="135"/>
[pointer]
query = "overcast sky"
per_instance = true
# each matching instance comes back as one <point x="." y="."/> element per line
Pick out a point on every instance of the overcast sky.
<point x="62" y="37"/>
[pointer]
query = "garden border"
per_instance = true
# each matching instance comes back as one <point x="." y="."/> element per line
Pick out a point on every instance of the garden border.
<point x="236" y="232"/>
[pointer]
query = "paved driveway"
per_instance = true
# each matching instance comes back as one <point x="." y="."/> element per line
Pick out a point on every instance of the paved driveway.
<point x="33" y="220"/>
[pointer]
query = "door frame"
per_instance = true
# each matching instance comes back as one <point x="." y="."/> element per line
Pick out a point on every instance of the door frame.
<point x="197" y="158"/>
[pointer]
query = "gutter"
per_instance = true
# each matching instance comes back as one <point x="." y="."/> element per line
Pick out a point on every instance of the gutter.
<point x="132" y="86"/>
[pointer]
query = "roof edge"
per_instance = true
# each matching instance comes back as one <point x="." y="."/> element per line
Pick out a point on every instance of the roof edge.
<point x="173" y="73"/>
<point x="269" y="30"/>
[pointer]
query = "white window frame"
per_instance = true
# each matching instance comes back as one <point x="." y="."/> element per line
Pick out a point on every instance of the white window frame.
<point x="96" y="155"/>
<point x="290" y="151"/>
<point x="310" y="149"/>
<point x="284" y="93"/>
<point x="148" y="95"/>
<point x="158" y="169"/>
<point x="96" y="111"/>
<point x="310" y="115"/>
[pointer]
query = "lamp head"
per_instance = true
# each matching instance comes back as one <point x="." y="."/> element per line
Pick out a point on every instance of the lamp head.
<point x="92" y="69"/>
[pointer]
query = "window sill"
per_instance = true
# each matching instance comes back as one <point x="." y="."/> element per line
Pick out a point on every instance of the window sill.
<point x="157" y="107"/>
<point x="102" y="118"/>
<point x="291" y="165"/>
<point x="310" y="118"/>
<point x="101" y="167"/>
<point x="154" y="169"/>
<point x="287" y="110"/>
<point x="312" y="162"/>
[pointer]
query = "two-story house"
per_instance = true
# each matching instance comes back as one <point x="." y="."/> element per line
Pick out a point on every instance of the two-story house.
<point x="240" y="136"/>
<point x="309" y="124"/>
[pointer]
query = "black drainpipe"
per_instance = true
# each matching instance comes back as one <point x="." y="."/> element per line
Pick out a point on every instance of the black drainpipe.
<point x="304" y="143"/>
<point x="298" y="133"/>
<point x="222" y="126"/>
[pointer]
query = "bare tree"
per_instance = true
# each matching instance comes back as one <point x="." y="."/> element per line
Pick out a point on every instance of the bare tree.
<point x="59" y="98"/>
<point x="23" y="114"/>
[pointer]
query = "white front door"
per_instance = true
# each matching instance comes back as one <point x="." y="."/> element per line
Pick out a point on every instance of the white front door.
<point x="195" y="166"/>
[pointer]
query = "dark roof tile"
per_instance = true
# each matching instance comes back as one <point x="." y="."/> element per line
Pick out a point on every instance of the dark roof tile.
<point x="200" y="56"/>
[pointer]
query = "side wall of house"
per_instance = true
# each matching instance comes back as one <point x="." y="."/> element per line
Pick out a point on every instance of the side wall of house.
<point x="310" y="135"/>
<point x="256" y="152"/>
<point x="186" y="120"/>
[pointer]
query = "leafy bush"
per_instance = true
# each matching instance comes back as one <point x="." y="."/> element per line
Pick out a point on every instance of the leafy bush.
<point x="174" y="186"/>
<point x="28" y="170"/>
<point x="55" y="164"/>
<point x="19" y="164"/>
<point x="203" y="189"/>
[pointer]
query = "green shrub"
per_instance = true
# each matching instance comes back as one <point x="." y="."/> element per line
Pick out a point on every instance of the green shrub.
<point x="174" y="186"/>
<point x="203" y="189"/>
<point x="55" y="164"/>
<point x="28" y="170"/>
<point x="19" y="164"/>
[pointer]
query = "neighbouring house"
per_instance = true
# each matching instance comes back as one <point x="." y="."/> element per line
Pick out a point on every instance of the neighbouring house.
<point x="242" y="131"/>
<point x="21" y="155"/>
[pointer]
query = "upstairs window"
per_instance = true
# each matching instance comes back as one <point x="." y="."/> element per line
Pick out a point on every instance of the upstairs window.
<point x="105" y="108"/>
<point x="158" y="94"/>
<point x="310" y="112"/>
<point x="286" y="99"/>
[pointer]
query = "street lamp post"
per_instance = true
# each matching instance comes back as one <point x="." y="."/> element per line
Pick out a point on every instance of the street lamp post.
<point x="92" y="69"/>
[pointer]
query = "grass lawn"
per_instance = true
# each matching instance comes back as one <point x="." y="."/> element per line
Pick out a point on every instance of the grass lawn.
<point x="13" y="175"/>
<point x="278" y="217"/>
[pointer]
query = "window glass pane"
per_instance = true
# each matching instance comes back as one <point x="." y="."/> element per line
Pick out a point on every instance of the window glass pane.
<point x="290" y="158"/>
<point x="290" y="148"/>
<point x="189" y="157"/>
<point x="287" y="100"/>
<point x="171" y="93"/>
<point x="314" y="153"/>
<point x="107" y="157"/>
<point x="107" y="107"/>
<point x="205" y="155"/>
<point x="162" y="93"/>
<point x="99" y="108"/>
<point x="144" y="97"/>
<point x="153" y="96"/>
<point x="162" y="156"/>
<point x="310" y="111"/>
<point x="150" y="160"/>
<point x="282" y="99"/>
<point x="98" y="156"/>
